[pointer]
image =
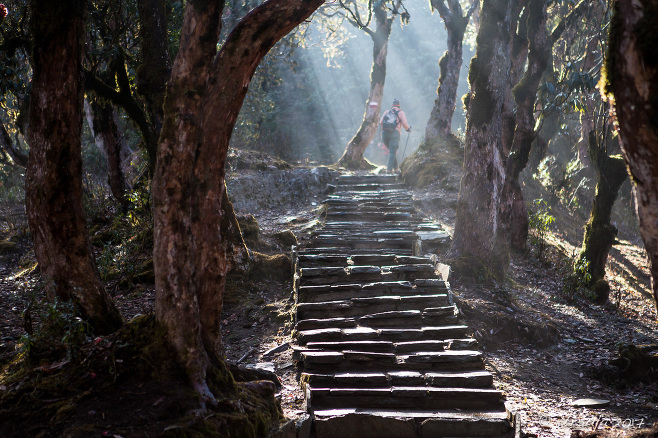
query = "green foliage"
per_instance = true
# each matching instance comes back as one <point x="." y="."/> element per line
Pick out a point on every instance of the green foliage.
<point x="140" y="214"/>
<point x="62" y="331"/>
<point x="540" y="221"/>
<point x="577" y="281"/>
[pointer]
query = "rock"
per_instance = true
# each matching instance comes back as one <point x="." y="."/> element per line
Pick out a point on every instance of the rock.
<point x="285" y="238"/>
<point x="8" y="247"/>
<point x="251" y="372"/>
<point x="263" y="388"/>
<point x="592" y="403"/>
<point x="277" y="349"/>
<point x="637" y="362"/>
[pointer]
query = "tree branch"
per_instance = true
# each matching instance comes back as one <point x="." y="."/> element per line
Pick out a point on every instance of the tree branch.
<point x="568" y="21"/>
<point x="440" y="6"/>
<point x="122" y="99"/>
<point x="7" y="146"/>
<point x="474" y="7"/>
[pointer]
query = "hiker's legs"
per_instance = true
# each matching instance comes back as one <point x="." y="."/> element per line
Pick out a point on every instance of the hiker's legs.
<point x="393" y="144"/>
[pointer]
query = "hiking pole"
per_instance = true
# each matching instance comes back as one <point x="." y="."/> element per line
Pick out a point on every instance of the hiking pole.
<point x="405" y="145"/>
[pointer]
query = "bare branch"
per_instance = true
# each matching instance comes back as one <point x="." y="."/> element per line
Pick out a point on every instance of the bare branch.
<point x="440" y="6"/>
<point x="568" y="21"/>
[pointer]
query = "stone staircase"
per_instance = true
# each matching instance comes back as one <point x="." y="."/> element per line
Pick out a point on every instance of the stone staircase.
<point x="380" y="342"/>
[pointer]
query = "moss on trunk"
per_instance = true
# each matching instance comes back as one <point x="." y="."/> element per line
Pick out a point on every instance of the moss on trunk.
<point x="600" y="234"/>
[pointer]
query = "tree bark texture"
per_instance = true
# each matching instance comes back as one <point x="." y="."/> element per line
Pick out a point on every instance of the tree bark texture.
<point x="237" y="254"/>
<point x="518" y="56"/>
<point x="600" y="234"/>
<point x="54" y="171"/>
<point x="107" y="137"/>
<point x="477" y="222"/>
<point x="632" y="68"/>
<point x="353" y="156"/>
<point x="513" y="208"/>
<point x="439" y="124"/>
<point x="204" y="96"/>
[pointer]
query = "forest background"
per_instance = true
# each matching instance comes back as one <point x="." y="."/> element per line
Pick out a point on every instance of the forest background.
<point x="305" y="103"/>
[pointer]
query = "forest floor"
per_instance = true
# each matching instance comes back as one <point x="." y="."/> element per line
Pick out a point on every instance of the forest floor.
<point x="546" y="347"/>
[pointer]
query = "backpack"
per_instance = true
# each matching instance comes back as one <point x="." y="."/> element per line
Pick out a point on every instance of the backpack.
<point x="390" y="120"/>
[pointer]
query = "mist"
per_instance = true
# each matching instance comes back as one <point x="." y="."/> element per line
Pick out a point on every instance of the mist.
<point x="412" y="75"/>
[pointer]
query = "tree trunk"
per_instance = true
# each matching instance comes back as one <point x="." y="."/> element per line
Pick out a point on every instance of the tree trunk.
<point x="439" y="124"/>
<point x="632" y="67"/>
<point x="237" y="254"/>
<point x="518" y="57"/>
<point x="54" y="172"/>
<point x="513" y="209"/>
<point x="107" y="137"/>
<point x="204" y="95"/>
<point x="600" y="234"/>
<point x="7" y="148"/>
<point x="353" y="156"/>
<point x="155" y="69"/>
<point x="477" y="222"/>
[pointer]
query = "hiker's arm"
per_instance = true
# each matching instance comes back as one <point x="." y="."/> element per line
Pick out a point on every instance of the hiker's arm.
<point x="403" y="120"/>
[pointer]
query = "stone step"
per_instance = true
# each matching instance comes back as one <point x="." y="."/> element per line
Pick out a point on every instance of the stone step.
<point x="404" y="397"/>
<point x="368" y="217"/>
<point x="399" y="348"/>
<point x="388" y="244"/>
<point x="340" y="250"/>
<point x="362" y="274"/>
<point x="358" y="179"/>
<point x="381" y="379"/>
<point x="362" y="306"/>
<point x="405" y="318"/>
<point x="351" y="360"/>
<point x="321" y="260"/>
<point x="314" y="324"/>
<point x="416" y="423"/>
<point x="330" y="225"/>
<point x="387" y="335"/>
<point x="372" y="346"/>
<point x="341" y="260"/>
<point x="364" y="234"/>
<point x="328" y="292"/>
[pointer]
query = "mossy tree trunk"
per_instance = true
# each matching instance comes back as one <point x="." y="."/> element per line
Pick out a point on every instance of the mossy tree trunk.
<point x="514" y="215"/>
<point x="204" y="95"/>
<point x="53" y="186"/>
<point x="439" y="124"/>
<point x="632" y="68"/>
<point x="526" y="139"/>
<point x="155" y="69"/>
<point x="600" y="234"/>
<point x="353" y="156"/>
<point x="477" y="222"/>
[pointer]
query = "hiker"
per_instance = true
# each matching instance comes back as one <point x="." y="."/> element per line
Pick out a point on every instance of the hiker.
<point x="391" y="122"/>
